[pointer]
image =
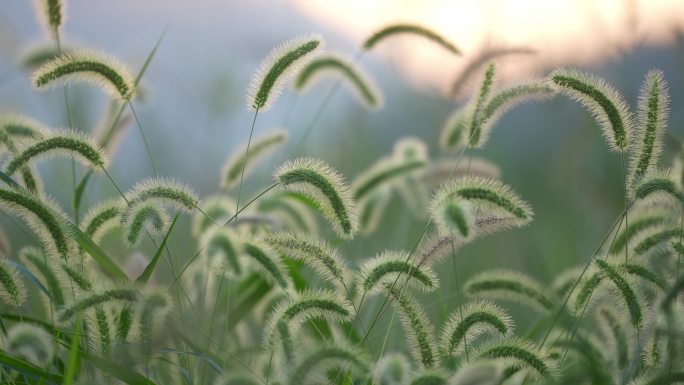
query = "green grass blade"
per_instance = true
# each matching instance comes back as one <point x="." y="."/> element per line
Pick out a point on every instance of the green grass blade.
<point x="28" y="369"/>
<point x="145" y="276"/>
<point x="74" y="361"/>
<point x="100" y="256"/>
<point x="80" y="189"/>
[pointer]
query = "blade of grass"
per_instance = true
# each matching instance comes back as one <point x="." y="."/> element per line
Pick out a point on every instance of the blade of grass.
<point x="145" y="276"/>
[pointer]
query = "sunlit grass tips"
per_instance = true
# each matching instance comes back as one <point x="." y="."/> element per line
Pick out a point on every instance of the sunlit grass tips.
<point x="412" y="29"/>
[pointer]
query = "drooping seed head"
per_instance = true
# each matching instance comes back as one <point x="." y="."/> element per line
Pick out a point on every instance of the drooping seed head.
<point x="387" y="267"/>
<point x="385" y="173"/>
<point x="371" y="210"/>
<point x="658" y="187"/>
<point x="102" y="218"/>
<point x="521" y="353"/>
<point x="313" y="251"/>
<point x="260" y="148"/>
<point x="278" y="67"/>
<point x="360" y="83"/>
<point x="21" y="127"/>
<point x="12" y="287"/>
<point x="623" y="290"/>
<point x="30" y="342"/>
<point x="472" y="321"/>
<point x="417" y="326"/>
<point x="61" y="143"/>
<point x="441" y="171"/>
<point x="650" y="128"/>
<point x="477" y="105"/>
<point x="412" y="29"/>
<point x="295" y="214"/>
<point x="163" y="191"/>
<point x="269" y="266"/>
<point x="515" y="286"/>
<point x="43" y="216"/>
<point x="46" y="267"/>
<point x="143" y="217"/>
<point x="453" y="216"/>
<point x="52" y="14"/>
<point x="221" y="248"/>
<point x="602" y="100"/>
<point x="325" y="186"/>
<point x="88" y="66"/>
<point x="454" y="134"/>
<point x="97" y="298"/>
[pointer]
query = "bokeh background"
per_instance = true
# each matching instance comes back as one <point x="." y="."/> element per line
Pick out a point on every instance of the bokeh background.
<point x="194" y="113"/>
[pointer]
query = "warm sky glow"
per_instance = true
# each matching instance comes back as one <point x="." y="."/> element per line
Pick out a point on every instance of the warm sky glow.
<point x="576" y="32"/>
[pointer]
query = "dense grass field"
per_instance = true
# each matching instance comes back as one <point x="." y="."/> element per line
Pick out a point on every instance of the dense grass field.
<point x="406" y="261"/>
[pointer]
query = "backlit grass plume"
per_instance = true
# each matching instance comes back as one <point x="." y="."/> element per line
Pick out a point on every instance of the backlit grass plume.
<point x="504" y="100"/>
<point x="52" y="14"/>
<point x="102" y="218"/>
<point x="64" y="143"/>
<point x="221" y="248"/>
<point x="511" y="285"/>
<point x="638" y="222"/>
<point x="496" y="206"/>
<point x="30" y="342"/>
<point x="313" y="365"/>
<point x="143" y="217"/>
<point x="473" y="320"/>
<point x="519" y="353"/>
<point x="42" y="266"/>
<point x="366" y="90"/>
<point x="12" y="287"/>
<point x="43" y="216"/>
<point x="313" y="251"/>
<point x="417" y="326"/>
<point x="602" y="100"/>
<point x="658" y="187"/>
<point x="164" y="191"/>
<point x="279" y="66"/>
<point x="267" y="263"/>
<point x="387" y="267"/>
<point x="87" y="66"/>
<point x="624" y="290"/>
<point x="326" y="187"/>
<point x="650" y="127"/>
<point x="260" y="148"/>
<point x="22" y="127"/>
<point x="453" y="216"/>
<point x="410" y="29"/>
<point x="98" y="298"/>
<point x="304" y="306"/>
<point x="477" y="105"/>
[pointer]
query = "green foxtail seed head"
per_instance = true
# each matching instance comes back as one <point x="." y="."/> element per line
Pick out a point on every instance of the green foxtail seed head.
<point x="94" y="299"/>
<point x="73" y="277"/>
<point x="639" y="220"/>
<point x="453" y="215"/>
<point x="472" y="321"/>
<point x="61" y="143"/>
<point x="485" y="56"/>
<point x="565" y="280"/>
<point x="454" y="134"/>
<point x="326" y="187"/>
<point x="521" y="353"/>
<point x="506" y="99"/>
<point x="100" y="324"/>
<point x="653" y="110"/>
<point x="51" y="14"/>
<point x="41" y="265"/>
<point x="278" y="67"/>
<point x="656" y="238"/>
<point x="511" y="285"/>
<point x="477" y="105"/>
<point x="294" y="213"/>
<point x="387" y="267"/>
<point x="12" y="288"/>
<point x="221" y="248"/>
<point x="612" y="326"/>
<point x="303" y="306"/>
<point x="219" y="208"/>
<point x="386" y="172"/>
<point x="143" y="217"/>
<point x="323" y="258"/>
<point x="43" y="216"/>
<point x="496" y="206"/>
<point x="624" y="291"/>
<point x="87" y="66"/>
<point x="412" y="29"/>
<point x="22" y="127"/>
<point x="416" y="325"/>
<point x="163" y="191"/>
<point x="312" y="366"/>
<point x="30" y="342"/>
<point x="362" y="85"/>
<point x="269" y="266"/>
<point x="102" y="218"/>
<point x="35" y="55"/>
<point x="260" y="149"/>
<point x="658" y="187"/>
<point x="439" y="171"/>
<point x="602" y="100"/>
<point x="155" y="305"/>
<point x="371" y="210"/>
